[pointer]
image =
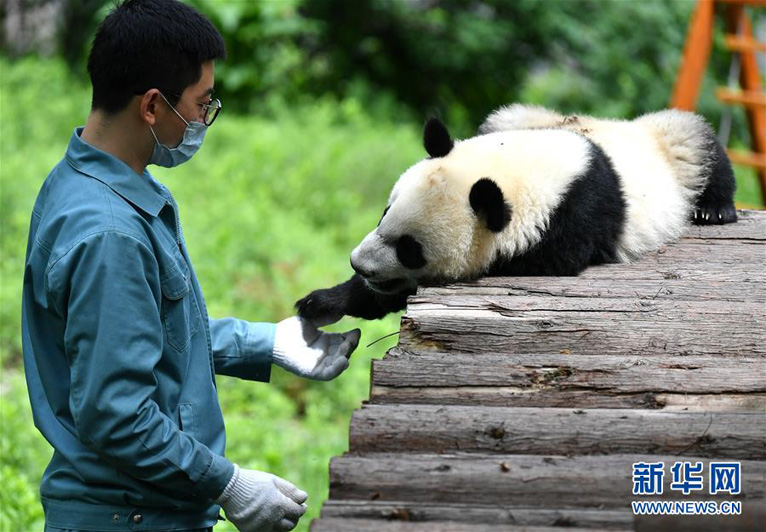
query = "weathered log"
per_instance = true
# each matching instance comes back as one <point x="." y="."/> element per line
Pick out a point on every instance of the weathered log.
<point x="365" y="525"/>
<point x="733" y="272"/>
<point x="563" y="371"/>
<point x="506" y="514"/>
<point x="619" y="326"/>
<point x="515" y="396"/>
<point x="701" y="252"/>
<point x="638" y="309"/>
<point x="533" y="481"/>
<point x="644" y="309"/>
<point x="564" y="380"/>
<point x="574" y="287"/>
<point x="563" y="431"/>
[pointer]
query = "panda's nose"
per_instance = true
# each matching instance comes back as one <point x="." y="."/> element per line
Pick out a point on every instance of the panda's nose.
<point x="361" y="271"/>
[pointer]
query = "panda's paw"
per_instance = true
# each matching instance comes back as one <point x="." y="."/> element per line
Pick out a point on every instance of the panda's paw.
<point x="714" y="215"/>
<point x="320" y="308"/>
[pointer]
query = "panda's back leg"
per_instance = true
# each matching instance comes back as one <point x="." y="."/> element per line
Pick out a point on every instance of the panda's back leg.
<point x="715" y="205"/>
<point x="699" y="163"/>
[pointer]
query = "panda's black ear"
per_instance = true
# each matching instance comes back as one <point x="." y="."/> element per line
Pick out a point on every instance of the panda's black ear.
<point x="488" y="203"/>
<point x="436" y="138"/>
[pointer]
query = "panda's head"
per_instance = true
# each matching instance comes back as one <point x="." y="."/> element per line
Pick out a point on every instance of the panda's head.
<point x="441" y="221"/>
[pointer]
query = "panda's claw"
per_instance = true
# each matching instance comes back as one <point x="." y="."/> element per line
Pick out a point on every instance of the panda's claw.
<point x="714" y="215"/>
<point x="319" y="308"/>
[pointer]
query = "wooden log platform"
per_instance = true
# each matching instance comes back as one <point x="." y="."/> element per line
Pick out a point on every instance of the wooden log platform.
<point x="521" y="404"/>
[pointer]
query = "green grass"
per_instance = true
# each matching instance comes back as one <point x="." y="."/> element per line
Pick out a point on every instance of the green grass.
<point x="271" y="208"/>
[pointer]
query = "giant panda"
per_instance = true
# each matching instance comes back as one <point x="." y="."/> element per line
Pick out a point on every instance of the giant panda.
<point x="534" y="193"/>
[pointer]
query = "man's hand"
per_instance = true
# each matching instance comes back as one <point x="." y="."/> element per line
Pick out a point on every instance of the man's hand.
<point x="261" y="502"/>
<point x="301" y="348"/>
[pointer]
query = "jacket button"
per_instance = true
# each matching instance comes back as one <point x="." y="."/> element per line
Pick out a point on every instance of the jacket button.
<point x="116" y="518"/>
<point x="138" y="518"/>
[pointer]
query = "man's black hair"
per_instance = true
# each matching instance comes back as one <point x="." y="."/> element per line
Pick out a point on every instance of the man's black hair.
<point x="146" y="44"/>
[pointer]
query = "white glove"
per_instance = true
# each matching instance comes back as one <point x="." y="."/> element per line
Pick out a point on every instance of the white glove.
<point x="301" y="348"/>
<point x="261" y="502"/>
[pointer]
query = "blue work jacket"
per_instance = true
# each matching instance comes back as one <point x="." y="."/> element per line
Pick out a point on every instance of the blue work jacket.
<point x="120" y="355"/>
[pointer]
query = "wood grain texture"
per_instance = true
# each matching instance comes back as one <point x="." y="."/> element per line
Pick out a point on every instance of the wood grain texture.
<point x="617" y="326"/>
<point x="364" y="525"/>
<point x="610" y="374"/>
<point x="515" y="396"/>
<point x="511" y="430"/>
<point x="574" y="287"/>
<point x="507" y="514"/>
<point x="533" y="481"/>
<point x="668" y="382"/>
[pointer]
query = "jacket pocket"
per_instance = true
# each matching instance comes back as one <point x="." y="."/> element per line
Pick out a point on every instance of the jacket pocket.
<point x="186" y="418"/>
<point x="178" y="317"/>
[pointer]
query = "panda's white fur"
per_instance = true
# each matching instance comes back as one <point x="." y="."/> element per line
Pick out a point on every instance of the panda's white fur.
<point x="535" y="193"/>
<point x="430" y="201"/>
<point x="660" y="158"/>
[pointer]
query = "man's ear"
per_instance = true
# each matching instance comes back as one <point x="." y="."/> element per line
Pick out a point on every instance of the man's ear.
<point x="488" y="203"/>
<point x="147" y="106"/>
<point x="436" y="138"/>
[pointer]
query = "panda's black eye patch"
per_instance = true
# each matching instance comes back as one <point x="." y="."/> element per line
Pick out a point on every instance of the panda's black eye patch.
<point x="384" y="215"/>
<point x="410" y="252"/>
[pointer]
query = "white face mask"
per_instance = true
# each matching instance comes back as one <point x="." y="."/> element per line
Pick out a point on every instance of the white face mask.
<point x="190" y="144"/>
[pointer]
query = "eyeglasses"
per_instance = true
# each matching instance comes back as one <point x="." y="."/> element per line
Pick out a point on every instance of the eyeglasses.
<point x="210" y="109"/>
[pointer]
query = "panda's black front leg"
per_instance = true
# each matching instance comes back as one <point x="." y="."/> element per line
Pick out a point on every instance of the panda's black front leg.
<point x="352" y="298"/>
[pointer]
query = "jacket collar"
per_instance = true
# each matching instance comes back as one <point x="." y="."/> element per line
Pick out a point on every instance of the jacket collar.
<point x="141" y="190"/>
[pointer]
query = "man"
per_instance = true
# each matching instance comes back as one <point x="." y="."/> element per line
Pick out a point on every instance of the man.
<point x="119" y="352"/>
